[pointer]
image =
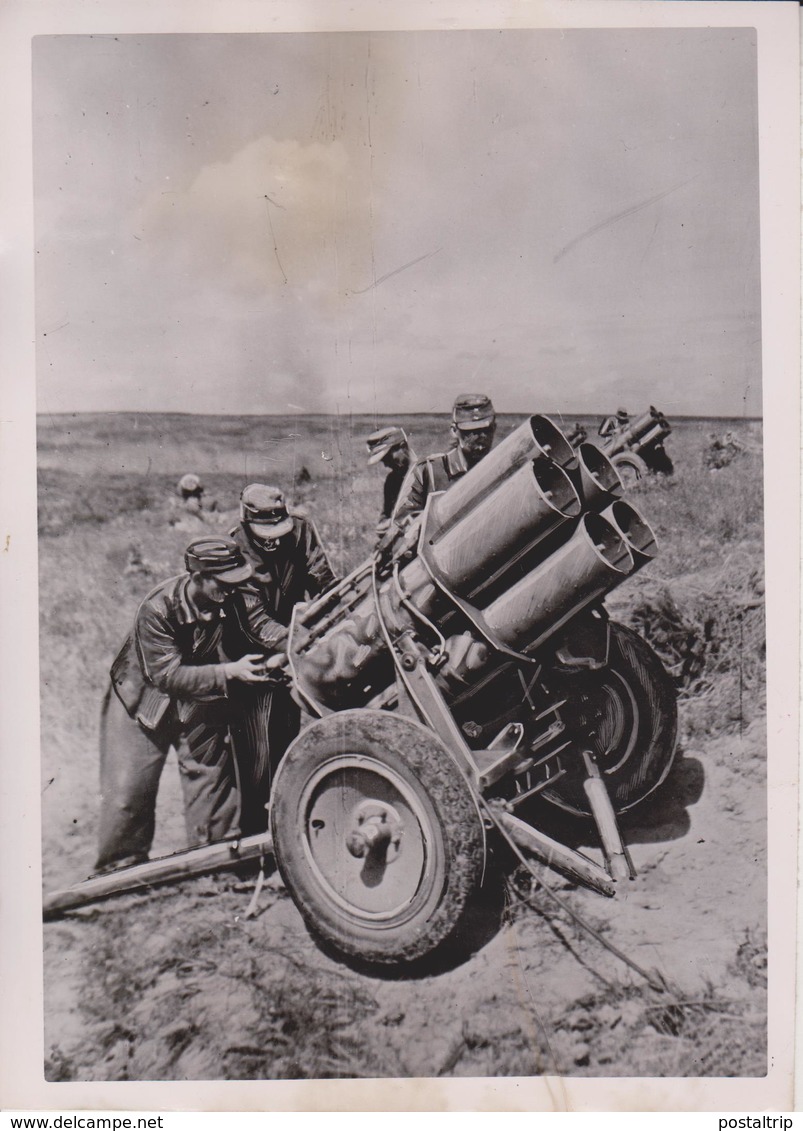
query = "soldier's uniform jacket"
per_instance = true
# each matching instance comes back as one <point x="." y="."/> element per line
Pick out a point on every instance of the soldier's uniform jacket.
<point x="394" y="481"/>
<point x="429" y="475"/>
<point x="297" y="569"/>
<point x="174" y="653"/>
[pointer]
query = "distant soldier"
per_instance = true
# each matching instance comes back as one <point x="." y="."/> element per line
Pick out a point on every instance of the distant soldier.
<point x="170" y="686"/>
<point x="473" y="430"/>
<point x="190" y="510"/>
<point x="712" y="456"/>
<point x="391" y="447"/>
<point x="288" y="564"/>
<point x="613" y="425"/>
<point x="721" y="453"/>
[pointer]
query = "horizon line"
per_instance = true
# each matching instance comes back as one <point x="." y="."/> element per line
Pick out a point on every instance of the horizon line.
<point x="445" y="412"/>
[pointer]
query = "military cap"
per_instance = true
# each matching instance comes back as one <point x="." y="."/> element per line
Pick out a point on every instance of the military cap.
<point x="265" y="511"/>
<point x="220" y="557"/>
<point x="189" y="484"/>
<point x="384" y="440"/>
<point x="473" y="410"/>
<point x="622" y="414"/>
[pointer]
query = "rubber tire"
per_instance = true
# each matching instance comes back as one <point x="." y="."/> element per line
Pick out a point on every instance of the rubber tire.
<point x="631" y="468"/>
<point x="645" y="717"/>
<point x="417" y="757"/>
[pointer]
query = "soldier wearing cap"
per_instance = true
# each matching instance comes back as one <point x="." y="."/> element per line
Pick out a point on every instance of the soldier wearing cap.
<point x="288" y="565"/>
<point x="189" y="509"/>
<point x="287" y="560"/>
<point x="170" y="686"/>
<point x="613" y="425"/>
<point x="473" y="429"/>
<point x="391" y="447"/>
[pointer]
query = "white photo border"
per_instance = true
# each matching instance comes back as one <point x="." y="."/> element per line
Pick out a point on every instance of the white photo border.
<point x="22" y="1084"/>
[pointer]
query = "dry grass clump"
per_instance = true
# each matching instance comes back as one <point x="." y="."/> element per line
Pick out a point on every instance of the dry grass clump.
<point x="709" y="631"/>
<point x="701" y="603"/>
<point x="709" y="1034"/>
<point x="307" y="1027"/>
<point x="751" y="958"/>
<point x="201" y="995"/>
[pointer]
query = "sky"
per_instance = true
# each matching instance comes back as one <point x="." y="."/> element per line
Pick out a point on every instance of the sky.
<point x="354" y="222"/>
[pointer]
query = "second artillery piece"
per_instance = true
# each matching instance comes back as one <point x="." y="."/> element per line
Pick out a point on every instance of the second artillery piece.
<point x="638" y="448"/>
<point x="461" y="680"/>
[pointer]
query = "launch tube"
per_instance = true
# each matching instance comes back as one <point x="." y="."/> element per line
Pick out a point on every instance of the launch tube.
<point x="656" y="433"/>
<point x="597" y="477"/>
<point x="536" y="438"/>
<point x="638" y="428"/>
<point x="418" y="586"/>
<point x="517" y="513"/>
<point x="635" y="530"/>
<point x="594" y="560"/>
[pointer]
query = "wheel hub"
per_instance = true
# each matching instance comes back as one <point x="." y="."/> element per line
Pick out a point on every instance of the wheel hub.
<point x="367" y="837"/>
<point x="376" y="829"/>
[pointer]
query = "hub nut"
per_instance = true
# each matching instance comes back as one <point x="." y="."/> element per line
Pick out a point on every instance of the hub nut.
<point x="371" y="835"/>
<point x="376" y="830"/>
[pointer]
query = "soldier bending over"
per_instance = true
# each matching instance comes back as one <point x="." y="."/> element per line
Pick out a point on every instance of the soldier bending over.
<point x="170" y="686"/>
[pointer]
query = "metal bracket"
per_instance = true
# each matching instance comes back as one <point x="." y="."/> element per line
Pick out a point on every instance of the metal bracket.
<point x="501" y="755"/>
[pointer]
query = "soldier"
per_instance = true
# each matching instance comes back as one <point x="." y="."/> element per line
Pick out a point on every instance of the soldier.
<point x="169" y="687"/>
<point x="732" y="445"/>
<point x="578" y="434"/>
<point x="288" y="565"/>
<point x="613" y="425"/>
<point x="473" y="429"/>
<point x="390" y="447"/>
<point x="190" y="512"/>
<point x="721" y="453"/>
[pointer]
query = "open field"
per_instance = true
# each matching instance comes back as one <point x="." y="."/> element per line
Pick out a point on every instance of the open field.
<point x="177" y="984"/>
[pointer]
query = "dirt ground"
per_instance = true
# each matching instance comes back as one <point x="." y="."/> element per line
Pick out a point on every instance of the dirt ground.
<point x="179" y="984"/>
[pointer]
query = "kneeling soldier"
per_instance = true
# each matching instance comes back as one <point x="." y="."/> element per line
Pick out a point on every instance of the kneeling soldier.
<point x="169" y="687"/>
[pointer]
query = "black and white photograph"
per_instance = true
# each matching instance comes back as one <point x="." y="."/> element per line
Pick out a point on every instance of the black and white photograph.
<point x="402" y="537"/>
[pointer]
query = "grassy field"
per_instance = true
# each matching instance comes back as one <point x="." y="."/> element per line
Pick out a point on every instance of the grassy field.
<point x="177" y="985"/>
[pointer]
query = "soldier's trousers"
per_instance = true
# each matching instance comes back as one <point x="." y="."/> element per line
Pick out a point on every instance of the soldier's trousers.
<point x="131" y="763"/>
<point x="266" y="720"/>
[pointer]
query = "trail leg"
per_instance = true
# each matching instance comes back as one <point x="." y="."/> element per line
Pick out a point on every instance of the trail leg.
<point x="617" y="857"/>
